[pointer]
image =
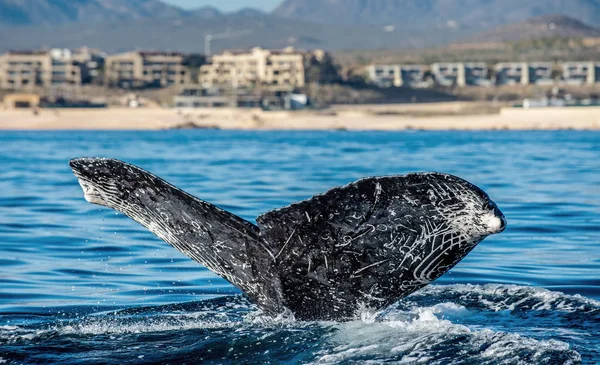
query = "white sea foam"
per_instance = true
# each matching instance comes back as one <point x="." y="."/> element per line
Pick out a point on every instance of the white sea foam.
<point x="427" y="337"/>
<point x="148" y="326"/>
<point x="437" y="325"/>
<point x="8" y="328"/>
<point x="498" y="297"/>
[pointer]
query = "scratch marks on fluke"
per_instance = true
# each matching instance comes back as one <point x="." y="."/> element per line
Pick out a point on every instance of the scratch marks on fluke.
<point x="369" y="243"/>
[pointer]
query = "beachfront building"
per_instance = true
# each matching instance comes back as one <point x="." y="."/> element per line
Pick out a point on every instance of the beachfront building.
<point x="44" y="68"/>
<point x="397" y="75"/>
<point x="414" y="75"/>
<point x="282" y="70"/>
<point x="90" y="61"/>
<point x="385" y="75"/>
<point x="581" y="73"/>
<point x="540" y="73"/>
<point x="512" y="73"/>
<point x="461" y="74"/>
<point x="146" y="69"/>
<point x="523" y="73"/>
<point x="25" y="69"/>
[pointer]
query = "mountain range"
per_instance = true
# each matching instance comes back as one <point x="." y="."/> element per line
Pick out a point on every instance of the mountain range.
<point x="544" y="26"/>
<point x="117" y="25"/>
<point x="53" y="12"/>
<point x="456" y="13"/>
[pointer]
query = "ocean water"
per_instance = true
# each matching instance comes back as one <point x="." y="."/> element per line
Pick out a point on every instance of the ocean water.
<point x="80" y="284"/>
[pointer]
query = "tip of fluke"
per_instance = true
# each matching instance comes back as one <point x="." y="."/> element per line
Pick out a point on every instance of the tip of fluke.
<point x="86" y="171"/>
<point x="82" y="164"/>
<point x="77" y="163"/>
<point x="85" y="161"/>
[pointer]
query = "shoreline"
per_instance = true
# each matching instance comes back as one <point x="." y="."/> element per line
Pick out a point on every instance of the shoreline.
<point x="390" y="117"/>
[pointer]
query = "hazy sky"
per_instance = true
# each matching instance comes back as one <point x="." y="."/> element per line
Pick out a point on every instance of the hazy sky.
<point x="226" y="5"/>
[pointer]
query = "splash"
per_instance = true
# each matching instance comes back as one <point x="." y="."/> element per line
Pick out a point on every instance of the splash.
<point x="485" y="324"/>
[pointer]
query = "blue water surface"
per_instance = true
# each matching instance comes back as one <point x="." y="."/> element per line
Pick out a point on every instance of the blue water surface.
<point x="82" y="284"/>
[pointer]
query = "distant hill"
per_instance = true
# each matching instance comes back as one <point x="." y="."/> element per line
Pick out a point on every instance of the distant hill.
<point x="119" y="25"/>
<point x="546" y="26"/>
<point x="472" y="14"/>
<point x="206" y="12"/>
<point x="449" y="13"/>
<point x="187" y="33"/>
<point x="52" y="12"/>
<point x="250" y="12"/>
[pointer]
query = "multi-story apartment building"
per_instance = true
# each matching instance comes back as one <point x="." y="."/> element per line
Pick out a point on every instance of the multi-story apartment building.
<point x="540" y="73"/>
<point x="397" y="75"/>
<point x="461" y="74"/>
<point x="385" y="75"/>
<point x="580" y="73"/>
<point x="91" y="62"/>
<point x="512" y="73"/>
<point x="45" y="68"/>
<point x="413" y="75"/>
<point x="276" y="70"/>
<point x="146" y="69"/>
<point x="25" y="69"/>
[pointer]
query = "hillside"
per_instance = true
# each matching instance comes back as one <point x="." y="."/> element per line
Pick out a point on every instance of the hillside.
<point x="119" y="25"/>
<point x="52" y="12"/>
<point x="439" y="13"/>
<point x="206" y="12"/>
<point x="547" y="26"/>
<point x="187" y="33"/>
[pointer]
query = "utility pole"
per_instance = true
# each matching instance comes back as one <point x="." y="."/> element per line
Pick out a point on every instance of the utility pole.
<point x="226" y="35"/>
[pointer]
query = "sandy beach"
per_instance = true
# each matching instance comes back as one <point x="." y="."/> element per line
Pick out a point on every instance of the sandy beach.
<point x="439" y="116"/>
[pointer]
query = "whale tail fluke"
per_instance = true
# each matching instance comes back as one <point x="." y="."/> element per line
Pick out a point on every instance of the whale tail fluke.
<point x="366" y="244"/>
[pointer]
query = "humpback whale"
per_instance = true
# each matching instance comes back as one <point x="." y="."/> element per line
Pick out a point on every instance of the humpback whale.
<point x="367" y="244"/>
